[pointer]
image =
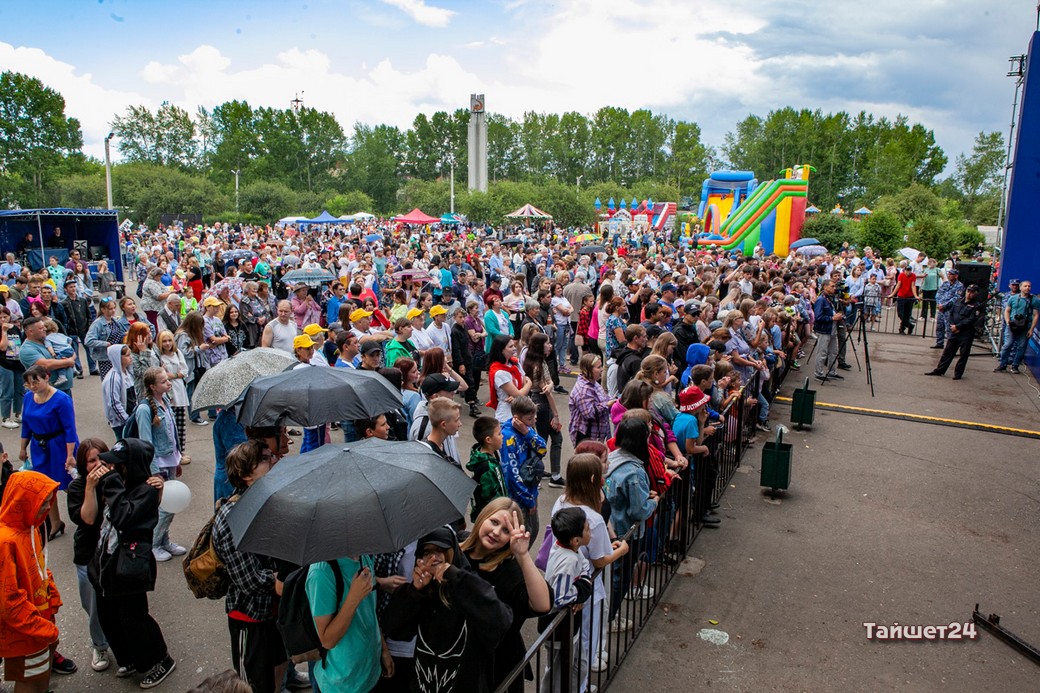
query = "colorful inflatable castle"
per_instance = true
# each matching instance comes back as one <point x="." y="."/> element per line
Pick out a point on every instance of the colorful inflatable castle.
<point x="625" y="219"/>
<point x="738" y="212"/>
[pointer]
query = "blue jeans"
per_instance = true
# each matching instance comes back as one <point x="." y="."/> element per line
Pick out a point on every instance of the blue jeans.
<point x="1014" y="351"/>
<point x="12" y="392"/>
<point x="91" y="364"/>
<point x="562" y="335"/>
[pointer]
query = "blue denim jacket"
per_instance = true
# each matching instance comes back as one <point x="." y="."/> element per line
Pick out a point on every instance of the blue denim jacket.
<point x="159" y="436"/>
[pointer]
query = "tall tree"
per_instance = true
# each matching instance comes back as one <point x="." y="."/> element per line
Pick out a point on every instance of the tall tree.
<point x="36" y="139"/>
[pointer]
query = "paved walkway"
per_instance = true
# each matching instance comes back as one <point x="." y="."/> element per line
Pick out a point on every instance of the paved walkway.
<point x="886" y="521"/>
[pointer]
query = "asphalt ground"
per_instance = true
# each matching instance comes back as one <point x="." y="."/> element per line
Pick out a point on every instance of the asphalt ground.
<point x="195" y="630"/>
<point x="886" y="522"/>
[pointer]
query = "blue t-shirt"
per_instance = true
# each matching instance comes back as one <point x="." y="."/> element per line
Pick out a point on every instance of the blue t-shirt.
<point x="685" y="427"/>
<point x="353" y="665"/>
<point x="32" y="352"/>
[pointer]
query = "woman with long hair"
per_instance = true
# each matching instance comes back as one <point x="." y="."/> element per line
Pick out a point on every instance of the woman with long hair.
<point x="236" y="330"/>
<point x="448" y="607"/>
<point x="515" y="302"/>
<point x="409" y="385"/>
<point x="172" y="361"/>
<point x="84" y="499"/>
<point x="548" y="422"/>
<point x="192" y="344"/>
<point x="632" y="501"/>
<point x="497" y="549"/>
<point x="589" y="403"/>
<point x="505" y="379"/>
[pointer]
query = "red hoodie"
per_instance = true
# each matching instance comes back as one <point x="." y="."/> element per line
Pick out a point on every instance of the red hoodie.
<point x="28" y="596"/>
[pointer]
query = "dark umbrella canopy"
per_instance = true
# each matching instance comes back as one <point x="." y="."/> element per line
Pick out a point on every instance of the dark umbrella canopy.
<point x="802" y="242"/>
<point x="513" y="241"/>
<point x="591" y="250"/>
<point x="315" y="395"/>
<point x="372" y="496"/>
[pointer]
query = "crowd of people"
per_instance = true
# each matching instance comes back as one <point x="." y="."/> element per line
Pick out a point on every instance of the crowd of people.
<point x="655" y="340"/>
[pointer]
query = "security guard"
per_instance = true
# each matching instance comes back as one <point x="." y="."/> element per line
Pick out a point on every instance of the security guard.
<point x="962" y="316"/>
<point x="949" y="291"/>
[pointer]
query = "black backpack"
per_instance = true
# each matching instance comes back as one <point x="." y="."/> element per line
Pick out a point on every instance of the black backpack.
<point x="295" y="622"/>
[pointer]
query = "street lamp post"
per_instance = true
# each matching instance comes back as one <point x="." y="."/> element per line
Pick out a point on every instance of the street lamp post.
<point x="108" y="168"/>
<point x="452" y="210"/>
<point x="236" y="172"/>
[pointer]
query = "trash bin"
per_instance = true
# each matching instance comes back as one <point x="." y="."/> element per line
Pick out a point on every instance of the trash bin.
<point x="803" y="406"/>
<point x="776" y="463"/>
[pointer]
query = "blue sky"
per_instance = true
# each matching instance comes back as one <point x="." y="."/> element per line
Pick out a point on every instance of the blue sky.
<point x="941" y="62"/>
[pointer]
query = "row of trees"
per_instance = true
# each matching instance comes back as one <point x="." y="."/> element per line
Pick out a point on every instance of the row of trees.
<point x="299" y="160"/>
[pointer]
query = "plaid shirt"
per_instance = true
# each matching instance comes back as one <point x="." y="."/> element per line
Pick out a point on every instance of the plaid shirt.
<point x="252" y="575"/>
<point x="590" y="415"/>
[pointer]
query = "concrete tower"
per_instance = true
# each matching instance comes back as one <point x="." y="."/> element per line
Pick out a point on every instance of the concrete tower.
<point x="478" y="177"/>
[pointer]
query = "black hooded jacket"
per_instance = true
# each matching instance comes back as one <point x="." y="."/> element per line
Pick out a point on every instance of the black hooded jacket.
<point x="454" y="643"/>
<point x="133" y="505"/>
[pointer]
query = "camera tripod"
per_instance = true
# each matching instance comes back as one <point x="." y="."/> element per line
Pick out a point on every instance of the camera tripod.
<point x="857" y="323"/>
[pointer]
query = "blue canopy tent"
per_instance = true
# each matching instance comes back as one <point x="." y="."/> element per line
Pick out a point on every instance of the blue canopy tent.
<point x="97" y="231"/>
<point x="323" y="218"/>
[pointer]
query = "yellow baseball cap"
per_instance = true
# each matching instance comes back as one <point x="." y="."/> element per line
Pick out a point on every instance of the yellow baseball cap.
<point x="438" y="310"/>
<point x="360" y="313"/>
<point x="413" y="313"/>
<point x="313" y="329"/>
<point x="4" y="288"/>
<point x="302" y="342"/>
<point x="212" y="301"/>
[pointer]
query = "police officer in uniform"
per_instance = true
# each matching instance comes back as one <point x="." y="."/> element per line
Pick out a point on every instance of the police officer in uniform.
<point x="949" y="291"/>
<point x="962" y="316"/>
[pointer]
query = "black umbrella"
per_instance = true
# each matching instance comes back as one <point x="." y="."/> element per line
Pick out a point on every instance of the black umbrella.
<point x="372" y="496"/>
<point x="317" y="395"/>
<point x="513" y="241"/>
<point x="591" y="249"/>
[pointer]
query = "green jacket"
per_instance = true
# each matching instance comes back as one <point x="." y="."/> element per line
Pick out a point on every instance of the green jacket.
<point x="487" y="472"/>
<point x="398" y="350"/>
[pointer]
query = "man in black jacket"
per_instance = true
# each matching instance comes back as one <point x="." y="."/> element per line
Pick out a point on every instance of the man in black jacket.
<point x="963" y="315"/>
<point x="686" y="333"/>
<point x="79" y="313"/>
<point x="630" y="357"/>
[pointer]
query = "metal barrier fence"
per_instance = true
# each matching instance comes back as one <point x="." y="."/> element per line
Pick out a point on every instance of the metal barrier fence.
<point x="924" y="316"/>
<point x="581" y="651"/>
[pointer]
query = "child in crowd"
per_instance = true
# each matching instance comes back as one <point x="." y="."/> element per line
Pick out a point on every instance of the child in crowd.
<point x="155" y="425"/>
<point x="61" y="347"/>
<point x="872" y="301"/>
<point x="173" y="361"/>
<point x="522" y="453"/>
<point x="569" y="575"/>
<point x="188" y="302"/>
<point x="485" y="464"/>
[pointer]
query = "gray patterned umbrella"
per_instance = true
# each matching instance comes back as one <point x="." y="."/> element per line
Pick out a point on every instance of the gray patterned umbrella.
<point x="222" y="384"/>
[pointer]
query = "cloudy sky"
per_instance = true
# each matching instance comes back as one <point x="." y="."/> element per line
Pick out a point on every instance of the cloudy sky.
<point x="941" y="62"/>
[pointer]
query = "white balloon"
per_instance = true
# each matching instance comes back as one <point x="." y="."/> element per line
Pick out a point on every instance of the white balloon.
<point x="175" y="496"/>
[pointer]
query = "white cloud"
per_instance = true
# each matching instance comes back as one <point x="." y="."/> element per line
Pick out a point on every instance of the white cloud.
<point x="94" y="105"/>
<point x="422" y="13"/>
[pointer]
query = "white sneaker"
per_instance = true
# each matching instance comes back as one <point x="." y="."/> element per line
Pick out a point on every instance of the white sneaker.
<point x="99" y="659"/>
<point x="175" y="549"/>
<point x="644" y="592"/>
<point x="620" y="625"/>
<point x="18" y="418"/>
<point x="9" y="423"/>
<point x="161" y="554"/>
<point x="600" y="663"/>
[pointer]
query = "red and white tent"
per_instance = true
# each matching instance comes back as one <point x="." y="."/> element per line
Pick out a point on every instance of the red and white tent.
<point x="529" y="211"/>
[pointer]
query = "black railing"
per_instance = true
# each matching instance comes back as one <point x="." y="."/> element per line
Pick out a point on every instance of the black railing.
<point x="582" y="649"/>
